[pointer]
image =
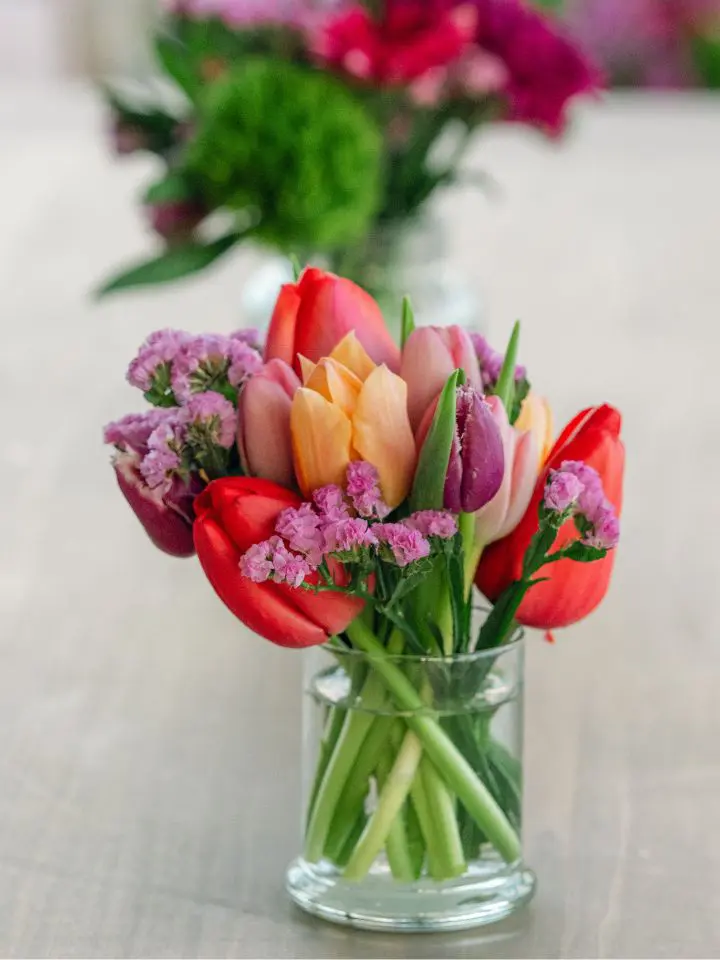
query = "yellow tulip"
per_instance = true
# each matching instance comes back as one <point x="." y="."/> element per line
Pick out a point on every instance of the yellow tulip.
<point x="351" y="409"/>
<point x="536" y="416"/>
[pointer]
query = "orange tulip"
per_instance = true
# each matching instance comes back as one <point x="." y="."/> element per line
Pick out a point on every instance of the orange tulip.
<point x="350" y="409"/>
<point x="536" y="418"/>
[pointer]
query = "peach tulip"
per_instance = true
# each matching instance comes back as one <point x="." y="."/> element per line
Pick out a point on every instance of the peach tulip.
<point x="351" y="409"/>
<point x="429" y="357"/>
<point x="522" y="464"/>
<point x="264" y="423"/>
<point x="536" y="416"/>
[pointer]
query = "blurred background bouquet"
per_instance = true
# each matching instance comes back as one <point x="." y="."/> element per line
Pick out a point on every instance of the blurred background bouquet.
<point x="323" y="130"/>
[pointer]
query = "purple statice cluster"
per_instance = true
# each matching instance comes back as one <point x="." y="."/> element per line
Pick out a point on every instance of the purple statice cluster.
<point x="491" y="363"/>
<point x="171" y="366"/>
<point x="343" y="525"/>
<point x="576" y="490"/>
<point x="169" y="442"/>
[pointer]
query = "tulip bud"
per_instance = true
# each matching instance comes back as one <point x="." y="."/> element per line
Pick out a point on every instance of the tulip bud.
<point x="477" y="461"/>
<point x="429" y="357"/>
<point x="175" y="221"/>
<point x="167" y="518"/>
<point x="264" y="438"/>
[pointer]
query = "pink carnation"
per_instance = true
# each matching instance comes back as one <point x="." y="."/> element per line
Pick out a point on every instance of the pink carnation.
<point x="348" y="534"/>
<point x="605" y="533"/>
<point x="302" y="528"/>
<point x="562" y="491"/>
<point x="433" y="523"/>
<point x="330" y="502"/>
<point x="363" y="488"/>
<point x="255" y="563"/>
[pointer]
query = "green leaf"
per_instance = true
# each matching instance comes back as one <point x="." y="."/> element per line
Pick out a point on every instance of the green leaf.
<point x="296" y="268"/>
<point x="428" y="492"/>
<point x="522" y="389"/>
<point x="174" y="188"/>
<point x="583" y="553"/>
<point x="174" y="264"/>
<point x="173" y="58"/>
<point x="505" y="388"/>
<point x="408" y="321"/>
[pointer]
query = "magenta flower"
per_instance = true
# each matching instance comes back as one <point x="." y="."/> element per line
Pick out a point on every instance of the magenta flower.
<point x="256" y="563"/>
<point x="477" y="458"/>
<point x="164" y="458"/>
<point x="363" y="488"/>
<point x="407" y="545"/>
<point x="592" y="496"/>
<point x="433" y="523"/>
<point x="605" y="532"/>
<point x="132" y="432"/>
<point x="211" y="416"/>
<point x="562" y="491"/>
<point x="271" y="560"/>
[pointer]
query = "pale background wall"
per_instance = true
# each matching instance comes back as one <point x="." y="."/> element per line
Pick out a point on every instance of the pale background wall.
<point x="49" y="38"/>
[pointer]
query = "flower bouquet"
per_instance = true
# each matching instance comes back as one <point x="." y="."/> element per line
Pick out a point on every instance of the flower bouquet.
<point x="346" y="493"/>
<point x="325" y="128"/>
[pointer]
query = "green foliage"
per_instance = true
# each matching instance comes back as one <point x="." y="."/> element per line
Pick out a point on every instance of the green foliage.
<point x="428" y="492"/>
<point x="706" y="55"/>
<point x="292" y="147"/>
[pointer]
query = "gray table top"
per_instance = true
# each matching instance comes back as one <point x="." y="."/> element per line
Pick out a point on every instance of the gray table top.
<point x="149" y="746"/>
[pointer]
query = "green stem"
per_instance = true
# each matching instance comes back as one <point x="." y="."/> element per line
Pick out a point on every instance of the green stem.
<point x="392" y="798"/>
<point x="397" y="846"/>
<point x="450" y="763"/>
<point x="444" y="818"/>
<point x="421" y="807"/>
<point x="333" y="728"/>
<point x="472" y="550"/>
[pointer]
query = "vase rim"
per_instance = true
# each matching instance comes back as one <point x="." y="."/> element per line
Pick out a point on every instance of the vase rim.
<point x="516" y="644"/>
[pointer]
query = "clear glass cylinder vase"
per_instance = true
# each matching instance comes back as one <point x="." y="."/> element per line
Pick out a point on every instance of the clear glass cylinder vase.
<point x="413" y="790"/>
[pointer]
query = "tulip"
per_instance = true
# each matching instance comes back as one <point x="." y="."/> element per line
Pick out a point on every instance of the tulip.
<point x="477" y="460"/>
<point x="502" y="514"/>
<point x="264" y="423"/>
<point x="175" y="220"/>
<point x="350" y="409"/>
<point x="233" y="514"/>
<point x="312" y="316"/>
<point x="429" y="357"/>
<point x="167" y="518"/>
<point x="536" y="417"/>
<point x="572" y="590"/>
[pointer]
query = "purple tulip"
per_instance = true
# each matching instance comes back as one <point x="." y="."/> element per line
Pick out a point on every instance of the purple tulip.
<point x="175" y="221"/>
<point x="477" y="458"/>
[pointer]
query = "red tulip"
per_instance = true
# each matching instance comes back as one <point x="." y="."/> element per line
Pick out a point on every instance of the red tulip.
<point x="264" y="423"/>
<point x="313" y="315"/>
<point x="572" y="589"/>
<point x="233" y="514"/>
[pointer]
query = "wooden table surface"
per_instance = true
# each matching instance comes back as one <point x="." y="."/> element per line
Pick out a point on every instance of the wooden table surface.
<point x="149" y="746"/>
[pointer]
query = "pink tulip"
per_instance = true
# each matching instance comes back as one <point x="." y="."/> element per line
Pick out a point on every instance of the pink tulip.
<point x="429" y="357"/>
<point x="522" y="462"/>
<point x="264" y="423"/>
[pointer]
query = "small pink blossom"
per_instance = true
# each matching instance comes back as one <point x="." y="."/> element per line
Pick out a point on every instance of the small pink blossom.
<point x="330" y="502"/>
<point x="562" y="491"/>
<point x="255" y="563"/>
<point x="363" y="488"/>
<point x="163" y="460"/>
<point x="302" y="528"/>
<point x="160" y="348"/>
<point x="592" y="497"/>
<point x="207" y="361"/>
<point x="605" y="532"/>
<point x="288" y="567"/>
<point x="407" y="545"/>
<point x="215" y="415"/>
<point x="348" y="534"/>
<point x="433" y="523"/>
<point x="133" y="431"/>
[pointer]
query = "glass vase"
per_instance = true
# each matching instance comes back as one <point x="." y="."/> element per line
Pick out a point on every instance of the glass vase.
<point x="392" y="261"/>
<point x="413" y="790"/>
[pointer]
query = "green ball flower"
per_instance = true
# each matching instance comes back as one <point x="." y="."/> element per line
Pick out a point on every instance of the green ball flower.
<point x="293" y="148"/>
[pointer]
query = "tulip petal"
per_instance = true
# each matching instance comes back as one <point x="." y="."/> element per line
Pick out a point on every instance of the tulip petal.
<point x="280" y="343"/>
<point x="491" y="518"/>
<point x="426" y="366"/>
<point x="264" y="428"/>
<point x="524" y="477"/>
<point x="382" y="434"/>
<point x="307" y="368"/>
<point x="482" y="456"/>
<point x="536" y="416"/>
<point x="336" y="383"/>
<point x="351" y="354"/>
<point x="321" y="438"/>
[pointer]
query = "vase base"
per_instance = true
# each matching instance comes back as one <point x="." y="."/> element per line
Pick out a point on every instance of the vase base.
<point x="479" y="897"/>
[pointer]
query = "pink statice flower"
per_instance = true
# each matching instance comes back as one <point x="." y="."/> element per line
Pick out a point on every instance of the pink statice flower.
<point x="330" y="503"/>
<point x="363" y="489"/>
<point x="164" y="458"/>
<point x="302" y="528"/>
<point x="592" y="496"/>
<point x="133" y="431"/>
<point x="347" y="535"/>
<point x="562" y="491"/>
<point x="210" y="361"/>
<point x="256" y="563"/>
<point x="605" y="532"/>
<point x="250" y="337"/>
<point x="158" y="351"/>
<point x="491" y="362"/>
<point x="433" y="523"/>
<point x="406" y="545"/>
<point x="210" y="418"/>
